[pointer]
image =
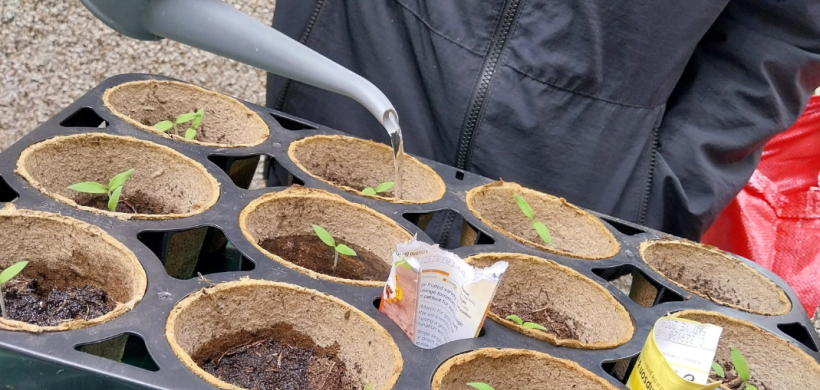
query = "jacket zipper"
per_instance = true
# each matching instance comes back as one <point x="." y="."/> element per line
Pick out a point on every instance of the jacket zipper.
<point x="303" y="40"/>
<point x="499" y="41"/>
<point x="653" y="153"/>
<point x="465" y="139"/>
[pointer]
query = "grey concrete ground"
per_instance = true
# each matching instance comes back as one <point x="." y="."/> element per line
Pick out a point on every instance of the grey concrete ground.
<point x="53" y="51"/>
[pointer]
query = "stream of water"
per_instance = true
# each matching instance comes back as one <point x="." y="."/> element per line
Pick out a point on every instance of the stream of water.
<point x="391" y="124"/>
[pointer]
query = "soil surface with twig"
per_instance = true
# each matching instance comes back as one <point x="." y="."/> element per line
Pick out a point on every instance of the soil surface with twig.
<point x="30" y="300"/>
<point x="202" y="134"/>
<point x="310" y="252"/>
<point x="279" y="358"/>
<point x="556" y="323"/>
<point x="708" y="287"/>
<point x="733" y="381"/>
<point x="343" y="181"/>
<point x="139" y="203"/>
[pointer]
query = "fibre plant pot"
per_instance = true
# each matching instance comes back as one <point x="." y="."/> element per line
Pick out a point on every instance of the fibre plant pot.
<point x="351" y="164"/>
<point x="235" y="313"/>
<point x="773" y="362"/>
<point x="575" y="232"/>
<point x="168" y="184"/>
<point x="577" y="312"/>
<point x="514" y="369"/>
<point x="67" y="253"/>
<point x="177" y="186"/>
<point x="712" y="274"/>
<point x="227" y="123"/>
<point x="280" y="218"/>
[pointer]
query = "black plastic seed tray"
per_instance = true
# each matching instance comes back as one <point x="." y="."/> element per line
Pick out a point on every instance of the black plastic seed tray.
<point x="54" y="361"/>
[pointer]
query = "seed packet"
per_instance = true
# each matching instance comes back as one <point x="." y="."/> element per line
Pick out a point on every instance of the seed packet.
<point x="435" y="296"/>
<point x="678" y="354"/>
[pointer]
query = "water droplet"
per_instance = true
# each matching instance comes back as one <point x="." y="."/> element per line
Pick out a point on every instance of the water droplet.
<point x="164" y="295"/>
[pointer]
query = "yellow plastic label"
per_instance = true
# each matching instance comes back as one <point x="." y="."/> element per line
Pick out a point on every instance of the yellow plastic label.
<point x="676" y="349"/>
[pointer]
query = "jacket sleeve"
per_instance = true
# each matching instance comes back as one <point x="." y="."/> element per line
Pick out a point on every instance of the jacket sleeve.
<point x="749" y="78"/>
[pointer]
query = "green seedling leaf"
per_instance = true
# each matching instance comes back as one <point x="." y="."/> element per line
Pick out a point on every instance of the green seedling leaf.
<point x="516" y="319"/>
<point x="480" y="386"/>
<point x="345" y="250"/>
<point x="120" y="179"/>
<point x="324" y="236"/>
<point x="186" y="117"/>
<point x="543" y="232"/>
<point x="164" y="126"/>
<point x="386" y="186"/>
<point x="750" y="387"/>
<point x="200" y="115"/>
<point x="524" y="206"/>
<point x="190" y="133"/>
<point x="114" y="199"/>
<point x="740" y="364"/>
<point x="369" y="191"/>
<point x="718" y="370"/>
<point x="533" y="325"/>
<point x="89" y="187"/>
<point x="369" y="387"/>
<point x="12" y="271"/>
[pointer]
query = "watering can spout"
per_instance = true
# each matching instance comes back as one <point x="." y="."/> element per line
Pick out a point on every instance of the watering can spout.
<point x="219" y="28"/>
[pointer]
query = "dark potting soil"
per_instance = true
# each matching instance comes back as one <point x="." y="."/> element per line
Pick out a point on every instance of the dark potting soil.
<point x="733" y="381"/>
<point x="310" y="252"/>
<point x="38" y="301"/>
<point x="279" y="358"/>
<point x="561" y="326"/>
<point x="343" y="181"/>
<point x="139" y="203"/>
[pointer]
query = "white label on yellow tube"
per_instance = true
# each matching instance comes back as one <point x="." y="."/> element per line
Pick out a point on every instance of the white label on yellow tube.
<point x="677" y="355"/>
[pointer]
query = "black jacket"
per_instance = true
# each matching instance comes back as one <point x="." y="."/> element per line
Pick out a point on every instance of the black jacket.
<point x="654" y="111"/>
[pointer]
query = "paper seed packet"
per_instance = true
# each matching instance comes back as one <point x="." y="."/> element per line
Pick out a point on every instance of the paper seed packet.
<point x="435" y="296"/>
<point x="677" y="355"/>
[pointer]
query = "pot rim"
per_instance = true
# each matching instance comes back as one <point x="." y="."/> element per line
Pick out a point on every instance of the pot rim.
<point x="298" y="192"/>
<point x="214" y="290"/>
<point x="212" y="184"/>
<point x="550" y="337"/>
<point x="471" y="194"/>
<point x="241" y="108"/>
<point x="441" y="187"/>
<point x="782" y="297"/>
<point x="121" y="308"/>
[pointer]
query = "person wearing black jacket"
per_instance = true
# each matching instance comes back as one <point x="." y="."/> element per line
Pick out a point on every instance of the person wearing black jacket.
<point x="655" y="112"/>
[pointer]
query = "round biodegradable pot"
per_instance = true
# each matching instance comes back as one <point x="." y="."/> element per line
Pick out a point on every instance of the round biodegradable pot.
<point x="715" y="275"/>
<point x="351" y="164"/>
<point x="574" y="232"/>
<point x="67" y="253"/>
<point x="577" y="312"/>
<point x="515" y="369"/>
<point x="292" y="212"/>
<point x="172" y="184"/>
<point x="773" y="362"/>
<point x="253" y="307"/>
<point x="226" y="123"/>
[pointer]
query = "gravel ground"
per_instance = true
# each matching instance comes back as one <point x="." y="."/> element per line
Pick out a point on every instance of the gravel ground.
<point x="53" y="51"/>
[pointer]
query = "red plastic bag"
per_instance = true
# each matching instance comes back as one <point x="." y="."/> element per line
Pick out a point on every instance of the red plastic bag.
<point x="775" y="220"/>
